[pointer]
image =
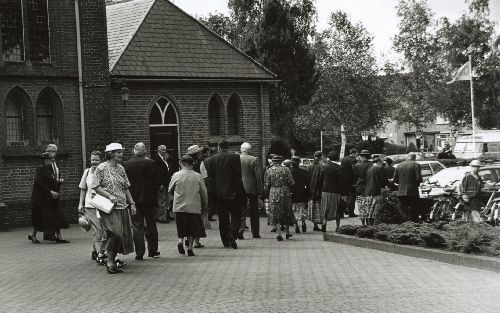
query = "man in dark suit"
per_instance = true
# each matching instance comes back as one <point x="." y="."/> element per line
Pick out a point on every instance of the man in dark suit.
<point x="408" y="176"/>
<point x="224" y="173"/>
<point x="348" y="164"/>
<point x="165" y="172"/>
<point x="142" y="174"/>
<point x="251" y="175"/>
<point x="360" y="170"/>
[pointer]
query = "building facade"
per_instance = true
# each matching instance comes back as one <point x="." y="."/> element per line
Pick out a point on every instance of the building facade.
<point x="184" y="84"/>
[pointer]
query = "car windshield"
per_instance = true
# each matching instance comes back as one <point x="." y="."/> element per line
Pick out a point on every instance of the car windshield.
<point x="448" y="176"/>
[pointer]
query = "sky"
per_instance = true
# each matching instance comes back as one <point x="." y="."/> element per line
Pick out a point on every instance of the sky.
<point x="378" y="16"/>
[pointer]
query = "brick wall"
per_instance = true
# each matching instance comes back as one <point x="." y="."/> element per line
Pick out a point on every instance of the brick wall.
<point x="130" y="121"/>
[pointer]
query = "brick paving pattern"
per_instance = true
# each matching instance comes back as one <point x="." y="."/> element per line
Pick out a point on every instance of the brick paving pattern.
<point x="305" y="274"/>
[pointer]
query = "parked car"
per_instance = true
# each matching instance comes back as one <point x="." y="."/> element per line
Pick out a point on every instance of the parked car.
<point x="429" y="168"/>
<point x="305" y="163"/>
<point x="398" y="158"/>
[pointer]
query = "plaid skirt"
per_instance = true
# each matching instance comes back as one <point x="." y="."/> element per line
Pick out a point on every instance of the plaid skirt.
<point x="360" y="205"/>
<point x="299" y="210"/>
<point x="370" y="205"/>
<point x="314" y="211"/>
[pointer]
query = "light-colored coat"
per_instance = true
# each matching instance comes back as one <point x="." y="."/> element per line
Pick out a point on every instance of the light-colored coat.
<point x="189" y="191"/>
<point x="251" y="175"/>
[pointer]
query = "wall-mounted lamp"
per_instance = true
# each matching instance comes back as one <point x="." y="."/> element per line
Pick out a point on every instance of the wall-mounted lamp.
<point x="365" y="135"/>
<point x="125" y="92"/>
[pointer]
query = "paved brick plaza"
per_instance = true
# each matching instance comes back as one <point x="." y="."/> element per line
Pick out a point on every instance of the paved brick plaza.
<point x="302" y="275"/>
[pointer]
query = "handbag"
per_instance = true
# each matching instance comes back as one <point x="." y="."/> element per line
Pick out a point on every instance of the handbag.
<point x="102" y="203"/>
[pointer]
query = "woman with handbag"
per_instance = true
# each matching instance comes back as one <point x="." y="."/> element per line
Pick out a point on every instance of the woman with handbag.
<point x="111" y="182"/>
<point x="84" y="207"/>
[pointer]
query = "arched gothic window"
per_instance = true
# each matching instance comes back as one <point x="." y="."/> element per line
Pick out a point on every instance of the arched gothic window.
<point x="16" y="103"/>
<point x="234" y="115"/>
<point x="215" y="114"/>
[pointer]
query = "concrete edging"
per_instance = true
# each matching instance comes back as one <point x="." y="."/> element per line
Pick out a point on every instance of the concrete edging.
<point x="474" y="261"/>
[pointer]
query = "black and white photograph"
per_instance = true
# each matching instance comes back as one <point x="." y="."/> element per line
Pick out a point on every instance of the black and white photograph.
<point x="274" y="156"/>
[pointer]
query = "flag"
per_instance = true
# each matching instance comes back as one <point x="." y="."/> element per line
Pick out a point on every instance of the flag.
<point x="464" y="73"/>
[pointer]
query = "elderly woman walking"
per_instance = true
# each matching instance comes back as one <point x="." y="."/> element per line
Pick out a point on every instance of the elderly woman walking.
<point x="470" y="190"/>
<point x="278" y="182"/>
<point x="84" y="207"/>
<point x="190" y="197"/>
<point x="110" y="181"/>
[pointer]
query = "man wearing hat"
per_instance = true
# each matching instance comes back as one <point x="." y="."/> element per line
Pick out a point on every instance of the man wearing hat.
<point x="195" y="151"/>
<point x="144" y="183"/>
<point x="376" y="179"/>
<point x="408" y="176"/>
<point x="315" y="187"/>
<point x="360" y="171"/>
<point x="299" y="194"/>
<point x="224" y="173"/>
<point x="470" y="190"/>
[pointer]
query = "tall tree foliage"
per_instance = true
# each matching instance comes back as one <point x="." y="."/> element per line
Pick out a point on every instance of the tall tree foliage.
<point x="277" y="33"/>
<point x="350" y="90"/>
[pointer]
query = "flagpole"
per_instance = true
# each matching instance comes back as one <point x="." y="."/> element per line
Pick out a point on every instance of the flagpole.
<point x="472" y="106"/>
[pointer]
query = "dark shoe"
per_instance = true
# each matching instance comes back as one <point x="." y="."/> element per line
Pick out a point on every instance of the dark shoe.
<point x="297" y="229"/>
<point x="101" y="260"/>
<point x="323" y="228"/>
<point x="199" y="245"/>
<point x="232" y="243"/>
<point x="61" y="240"/>
<point x="186" y="242"/>
<point x="247" y="228"/>
<point x="93" y="256"/>
<point x="304" y="227"/>
<point x="120" y="263"/>
<point x="112" y="269"/>
<point x="279" y="238"/>
<point x="240" y="236"/>
<point x="190" y="252"/>
<point x="256" y="236"/>
<point x="273" y="230"/>
<point x="353" y="215"/>
<point x="33" y="239"/>
<point x="155" y="254"/>
<point x="283" y="228"/>
<point x="180" y="248"/>
<point x="288" y="236"/>
<point x="139" y="257"/>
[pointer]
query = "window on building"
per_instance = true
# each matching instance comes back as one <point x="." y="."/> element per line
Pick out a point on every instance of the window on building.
<point x="16" y="103"/>
<point x="46" y="117"/>
<point x="11" y="30"/>
<point x="233" y="115"/>
<point x="163" y="113"/>
<point x="38" y="30"/>
<point x="215" y="109"/>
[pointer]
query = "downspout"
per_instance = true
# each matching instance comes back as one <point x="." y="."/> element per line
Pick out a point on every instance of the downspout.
<point x="262" y="124"/>
<point x="80" y="84"/>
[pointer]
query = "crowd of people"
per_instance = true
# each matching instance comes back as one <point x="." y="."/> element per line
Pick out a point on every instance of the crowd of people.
<point x="205" y="182"/>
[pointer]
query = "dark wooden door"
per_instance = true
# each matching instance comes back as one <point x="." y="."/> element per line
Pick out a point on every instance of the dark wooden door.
<point x="168" y="136"/>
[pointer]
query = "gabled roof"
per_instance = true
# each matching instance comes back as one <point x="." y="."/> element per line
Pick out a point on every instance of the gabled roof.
<point x="156" y="39"/>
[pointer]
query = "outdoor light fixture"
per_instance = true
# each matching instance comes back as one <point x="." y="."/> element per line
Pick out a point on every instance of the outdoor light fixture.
<point x="365" y="135"/>
<point x="373" y="136"/>
<point x="125" y="93"/>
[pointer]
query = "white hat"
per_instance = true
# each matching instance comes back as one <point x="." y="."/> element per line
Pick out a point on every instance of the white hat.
<point x="475" y="163"/>
<point x="194" y="149"/>
<point x="113" y="146"/>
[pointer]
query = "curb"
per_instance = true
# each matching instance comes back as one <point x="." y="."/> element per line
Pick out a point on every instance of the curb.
<point x="479" y="262"/>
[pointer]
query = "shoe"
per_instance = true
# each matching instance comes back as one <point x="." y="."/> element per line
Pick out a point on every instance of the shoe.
<point x="180" y="248"/>
<point x="155" y="254"/>
<point x="101" y="260"/>
<point x="316" y="228"/>
<point x="139" y="257"/>
<point x="247" y="228"/>
<point x="93" y="256"/>
<point x="353" y="215"/>
<point x="279" y="238"/>
<point x="304" y="227"/>
<point x="323" y="228"/>
<point x="112" y="269"/>
<point x="61" y="240"/>
<point x="186" y="242"/>
<point x="240" y="236"/>
<point x="256" y="236"/>
<point x="288" y="236"/>
<point x="232" y="243"/>
<point x="273" y="230"/>
<point x="199" y="245"/>
<point x="33" y="239"/>
<point x="120" y="263"/>
<point x="283" y="228"/>
<point x="297" y="229"/>
<point x="190" y="252"/>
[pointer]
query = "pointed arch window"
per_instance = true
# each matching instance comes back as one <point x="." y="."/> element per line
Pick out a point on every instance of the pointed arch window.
<point x="234" y="115"/>
<point x="14" y="119"/>
<point x="215" y="115"/>
<point x="46" y="116"/>
<point x="163" y="113"/>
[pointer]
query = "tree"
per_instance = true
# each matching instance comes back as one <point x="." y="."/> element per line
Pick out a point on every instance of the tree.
<point x="222" y="24"/>
<point x="474" y="34"/>
<point x="419" y="87"/>
<point x="350" y="91"/>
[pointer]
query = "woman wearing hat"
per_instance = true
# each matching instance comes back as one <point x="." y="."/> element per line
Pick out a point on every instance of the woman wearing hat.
<point x="190" y="197"/>
<point x="47" y="216"/>
<point x="84" y="207"/>
<point x="278" y="182"/>
<point x="111" y="181"/>
<point x="470" y="190"/>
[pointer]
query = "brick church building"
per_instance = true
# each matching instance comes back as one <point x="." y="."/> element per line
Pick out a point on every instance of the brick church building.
<point x="138" y="70"/>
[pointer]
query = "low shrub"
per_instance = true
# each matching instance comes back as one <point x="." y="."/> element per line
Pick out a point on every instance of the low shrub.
<point x="349" y="230"/>
<point x="433" y="240"/>
<point x="389" y="211"/>
<point x="366" y="232"/>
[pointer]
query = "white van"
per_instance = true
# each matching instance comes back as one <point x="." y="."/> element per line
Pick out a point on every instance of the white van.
<point x="487" y="145"/>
